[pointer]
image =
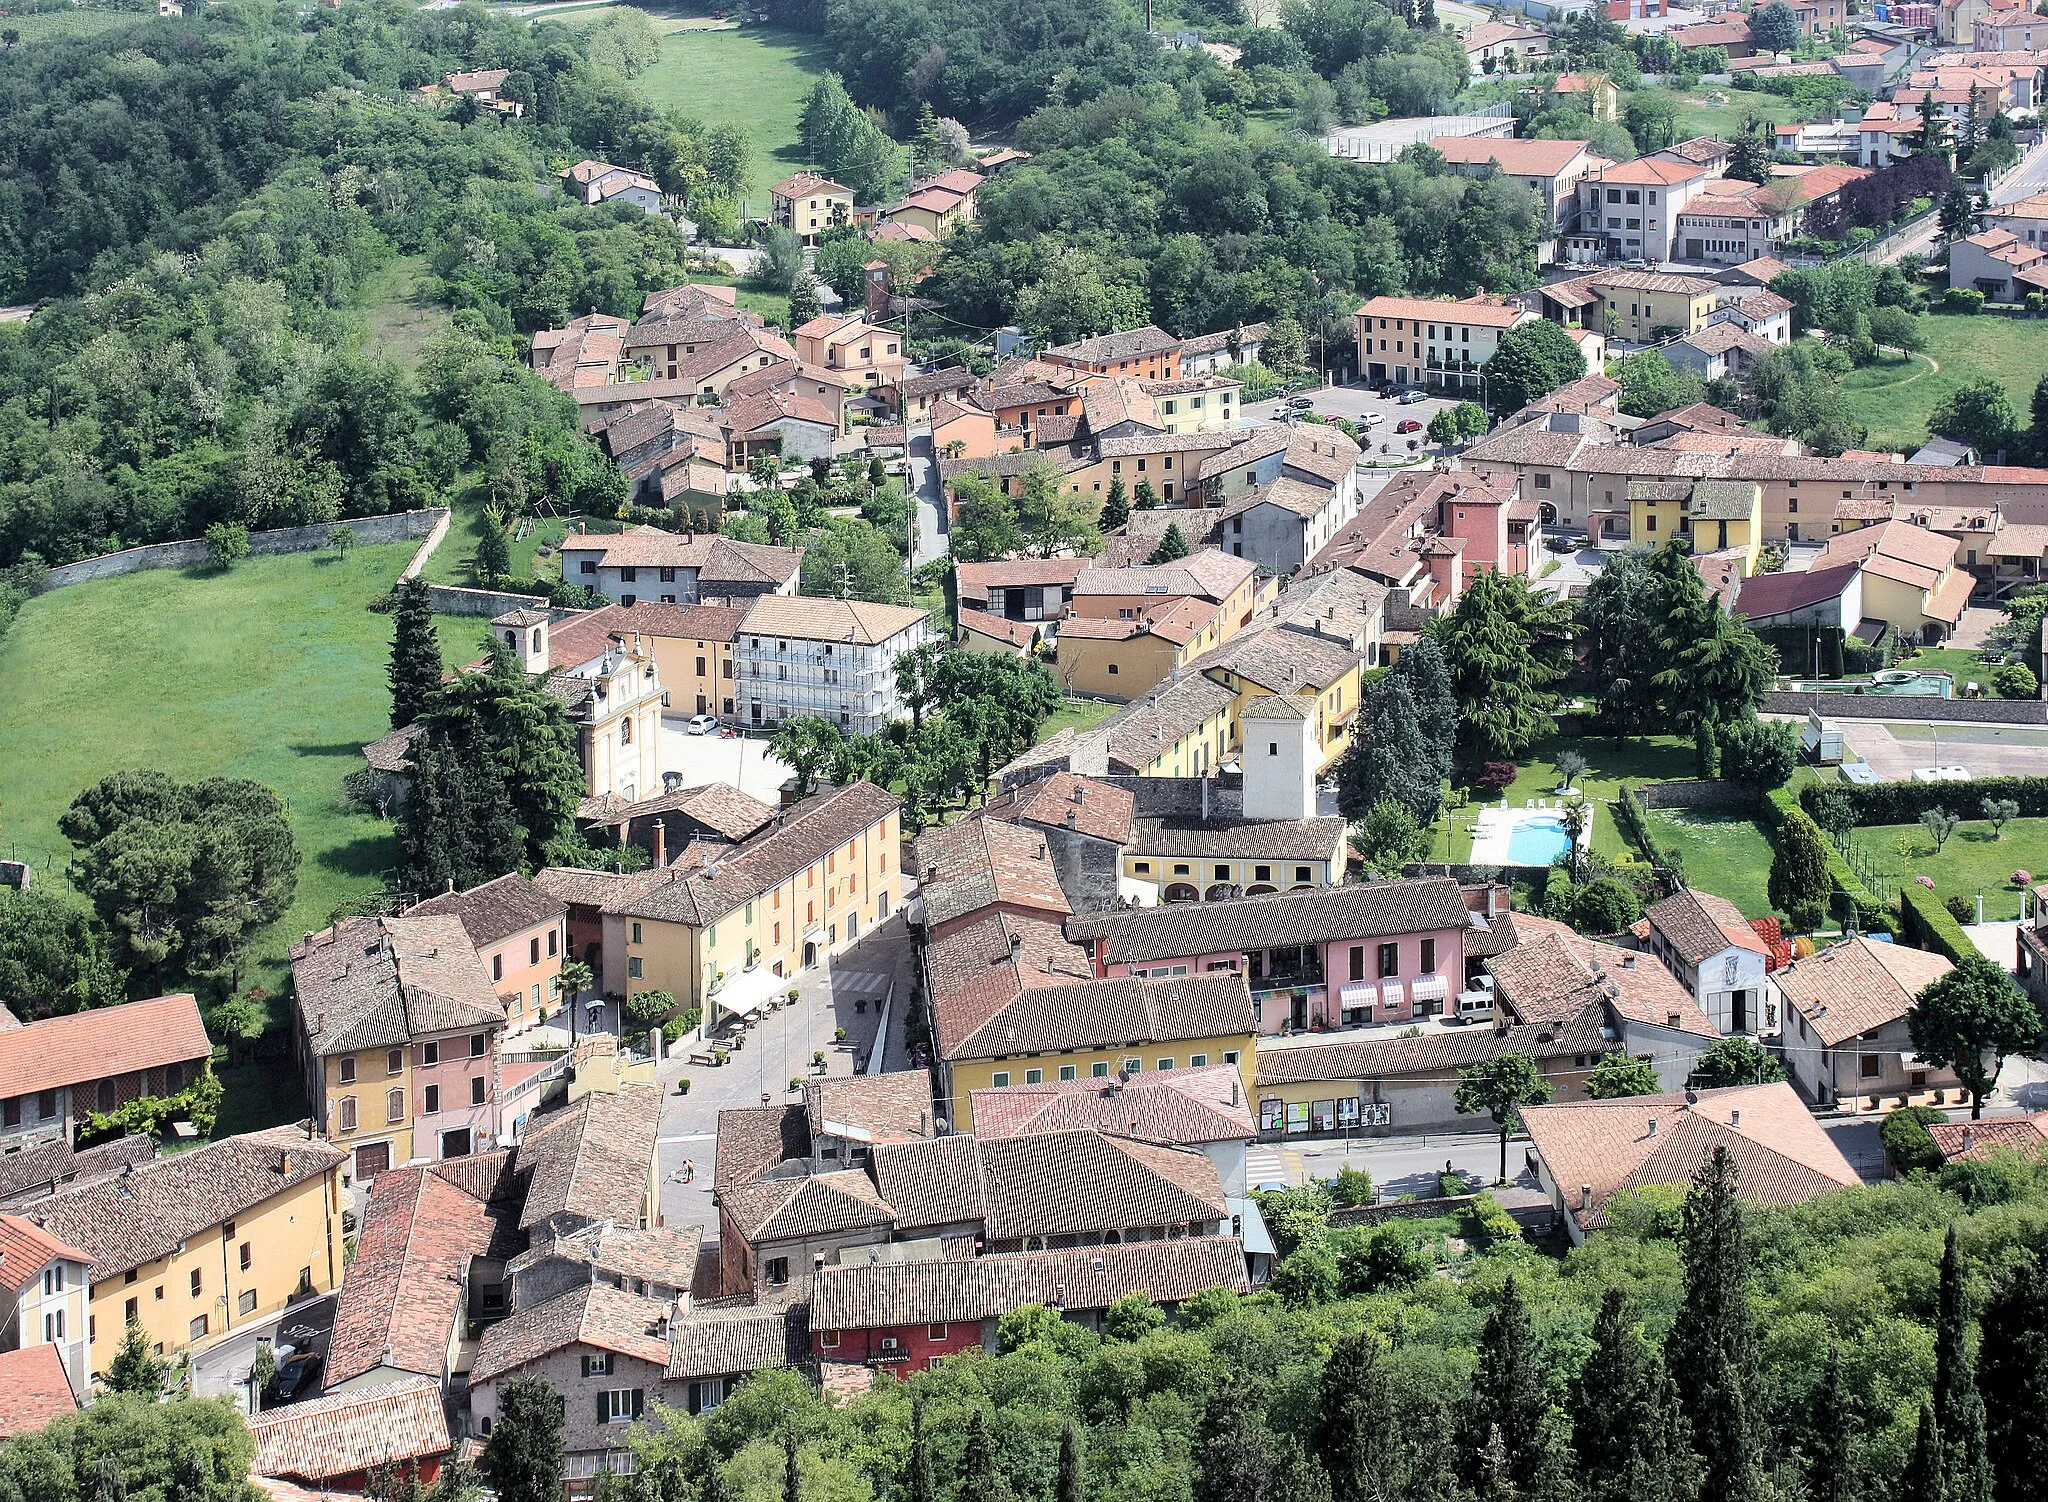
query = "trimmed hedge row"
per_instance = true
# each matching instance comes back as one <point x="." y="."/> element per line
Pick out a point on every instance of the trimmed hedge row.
<point x="1778" y="806"/>
<point x="1904" y="802"/>
<point x="1930" y="925"/>
<point x="1629" y="811"/>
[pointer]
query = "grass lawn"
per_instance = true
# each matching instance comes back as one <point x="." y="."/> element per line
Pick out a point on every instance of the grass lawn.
<point x="70" y="23"/>
<point x="755" y="77"/>
<point x="402" y="316"/>
<point x="1894" y="398"/>
<point x="1079" y="713"/>
<point x="1971" y="862"/>
<point x="1965" y="663"/>
<point x="1654" y="759"/>
<point x="1726" y="854"/>
<point x="1715" y="110"/>
<point x="274" y="672"/>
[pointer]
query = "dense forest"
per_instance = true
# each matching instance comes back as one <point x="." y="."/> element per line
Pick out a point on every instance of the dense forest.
<point x="205" y="210"/>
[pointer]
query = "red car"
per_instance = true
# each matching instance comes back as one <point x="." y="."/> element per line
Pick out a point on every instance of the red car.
<point x="1408" y="425"/>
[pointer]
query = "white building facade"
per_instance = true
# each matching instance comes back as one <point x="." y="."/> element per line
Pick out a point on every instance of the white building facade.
<point x="835" y="659"/>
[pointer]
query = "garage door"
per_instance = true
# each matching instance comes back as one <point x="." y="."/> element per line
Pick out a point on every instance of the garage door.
<point x="372" y="1158"/>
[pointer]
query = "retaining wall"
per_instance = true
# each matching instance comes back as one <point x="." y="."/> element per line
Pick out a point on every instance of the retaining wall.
<point x="453" y="599"/>
<point x="400" y="526"/>
<point x="1907" y="707"/>
<point x="1693" y="792"/>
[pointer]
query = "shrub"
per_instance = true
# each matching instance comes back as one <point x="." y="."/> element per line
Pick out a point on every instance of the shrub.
<point x="1487" y="1223"/>
<point x="1906" y="1138"/>
<point x="1962" y="909"/>
<point x="1904" y="802"/>
<point x="1495" y="777"/>
<point x="1605" y="905"/>
<point x="2015" y="680"/>
<point x="1386" y="1257"/>
<point x="1962" y="300"/>
<point x="227" y="544"/>
<point x="1928" y="924"/>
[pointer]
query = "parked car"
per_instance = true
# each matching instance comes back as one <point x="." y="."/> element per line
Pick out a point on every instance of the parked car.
<point x="1413" y="395"/>
<point x="703" y="724"/>
<point x="297" y="1377"/>
<point x="1301" y="403"/>
<point x="1374" y="419"/>
<point x="1408" y="425"/>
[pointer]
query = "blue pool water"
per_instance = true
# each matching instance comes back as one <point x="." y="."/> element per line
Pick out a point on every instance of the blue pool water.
<point x="1537" y="840"/>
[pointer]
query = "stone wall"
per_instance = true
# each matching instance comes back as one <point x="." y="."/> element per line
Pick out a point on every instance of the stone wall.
<point x="1372" y="1215"/>
<point x="402" y="526"/>
<point x="1692" y="792"/>
<point x="1908" y="708"/>
<point x="453" y="599"/>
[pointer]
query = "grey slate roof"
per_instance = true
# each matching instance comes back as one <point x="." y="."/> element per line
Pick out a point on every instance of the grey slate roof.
<point x="1318" y="916"/>
<point x="1239" y="839"/>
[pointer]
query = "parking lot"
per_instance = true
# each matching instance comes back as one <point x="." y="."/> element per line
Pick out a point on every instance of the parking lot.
<point x="744" y="762"/>
<point x="1378" y="418"/>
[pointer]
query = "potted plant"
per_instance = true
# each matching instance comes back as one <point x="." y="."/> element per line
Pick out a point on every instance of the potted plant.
<point x="683" y="1085"/>
<point x="818" y="1059"/>
<point x="796" y="1082"/>
<point x="793" y="994"/>
<point x="719" y="1056"/>
<point x="838" y="1035"/>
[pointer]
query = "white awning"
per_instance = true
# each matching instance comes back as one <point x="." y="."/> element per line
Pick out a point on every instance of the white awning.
<point x="1429" y="988"/>
<point x="747" y="992"/>
<point x="1360" y="993"/>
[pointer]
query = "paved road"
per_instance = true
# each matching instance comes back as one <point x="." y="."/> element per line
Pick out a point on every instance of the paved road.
<point x="846" y="993"/>
<point x="932" y="523"/>
<point x="1358" y="403"/>
<point x="1895" y="751"/>
<point x="222" y="1369"/>
<point x="2029" y="178"/>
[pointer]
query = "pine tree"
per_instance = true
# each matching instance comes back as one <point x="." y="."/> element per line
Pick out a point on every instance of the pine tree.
<point x="415" y="670"/>
<point x="1958" y="1407"/>
<point x="1145" y="498"/>
<point x="1922" y="1480"/>
<point x="1507" y="1395"/>
<point x="493" y="561"/>
<point x="1171" y="545"/>
<point x="1355" y="1433"/>
<point x="918" y="1482"/>
<point x="1711" y="1350"/>
<point x="1554" y="1474"/>
<point x="1499" y="646"/>
<point x="981" y="1478"/>
<point x="2012" y="1373"/>
<point x="523" y="1458"/>
<point x="1233" y="1451"/>
<point x="1626" y="1430"/>
<point x="1116" y="508"/>
<point x="133" y="1368"/>
<point x="792" y="1476"/>
<point x="1494" y="1472"/>
<point x="1072" y="1485"/>
<point x="1831" y="1460"/>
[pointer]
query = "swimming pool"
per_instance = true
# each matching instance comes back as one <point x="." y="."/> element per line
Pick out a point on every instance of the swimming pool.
<point x="1892" y="681"/>
<point x="1537" y="840"/>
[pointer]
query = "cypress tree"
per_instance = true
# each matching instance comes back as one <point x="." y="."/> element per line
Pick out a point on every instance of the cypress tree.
<point x="1831" y="1459"/>
<point x="792" y="1477"/>
<point x="1626" y="1431"/>
<point x="1494" y="1474"/>
<point x="1554" y="1475"/>
<point x="1073" y="1479"/>
<point x="1507" y="1399"/>
<point x="1233" y="1449"/>
<point x="715" y="1489"/>
<point x="415" y="670"/>
<point x="523" y="1458"/>
<point x="1922" y="1481"/>
<point x="981" y="1480"/>
<point x="2012" y="1368"/>
<point x="493" y="560"/>
<point x="918" y="1483"/>
<point x="1355" y="1433"/>
<point x="1958" y="1407"/>
<point x="1711" y="1351"/>
<point x="1116" y="507"/>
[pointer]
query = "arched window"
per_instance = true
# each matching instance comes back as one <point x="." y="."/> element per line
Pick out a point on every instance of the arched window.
<point x="625" y="732"/>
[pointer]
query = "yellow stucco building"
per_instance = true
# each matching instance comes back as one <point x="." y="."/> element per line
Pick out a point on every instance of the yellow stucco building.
<point x="1717" y="516"/>
<point x="194" y="1245"/>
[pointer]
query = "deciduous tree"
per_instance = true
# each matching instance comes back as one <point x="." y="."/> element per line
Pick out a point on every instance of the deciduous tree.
<point x="1498" y="1088"/>
<point x="1970" y="1020"/>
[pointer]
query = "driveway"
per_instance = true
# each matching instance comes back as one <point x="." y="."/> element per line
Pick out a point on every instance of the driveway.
<point x="744" y="762"/>
<point x="222" y="1369"/>
<point x="845" y="992"/>
<point x="932" y="525"/>
<point x="1360" y="404"/>
<point x="1895" y="750"/>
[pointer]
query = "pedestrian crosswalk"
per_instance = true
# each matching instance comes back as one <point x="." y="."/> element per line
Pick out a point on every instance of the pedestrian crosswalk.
<point x="860" y="983"/>
<point x="1264" y="1164"/>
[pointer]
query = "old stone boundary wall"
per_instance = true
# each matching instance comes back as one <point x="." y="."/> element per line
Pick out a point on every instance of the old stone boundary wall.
<point x="455" y="599"/>
<point x="400" y="526"/>
<point x="1907" y="708"/>
<point x="1728" y="797"/>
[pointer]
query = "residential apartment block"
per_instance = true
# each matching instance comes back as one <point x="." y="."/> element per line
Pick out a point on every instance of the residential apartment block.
<point x="832" y="658"/>
<point x="1407" y="341"/>
<point x="646" y="563"/>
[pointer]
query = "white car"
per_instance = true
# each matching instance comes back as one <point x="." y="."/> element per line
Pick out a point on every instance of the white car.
<point x="1374" y="419"/>
<point x="703" y="724"/>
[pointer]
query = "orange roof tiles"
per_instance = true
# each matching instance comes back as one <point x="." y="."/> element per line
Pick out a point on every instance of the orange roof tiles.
<point x="99" y="1044"/>
<point x="33" y="1389"/>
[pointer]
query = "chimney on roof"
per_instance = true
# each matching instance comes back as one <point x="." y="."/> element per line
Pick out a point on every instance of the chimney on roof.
<point x="1070" y="818"/>
<point x="1016" y="942"/>
<point x="451" y="886"/>
<point x="1628" y="962"/>
<point x="1080" y="794"/>
<point x="1653" y="1126"/>
<point x="284" y="1164"/>
<point x="1735" y="1117"/>
<point x="1585" y="1196"/>
<point x="1969" y="1138"/>
<point x="660" y="842"/>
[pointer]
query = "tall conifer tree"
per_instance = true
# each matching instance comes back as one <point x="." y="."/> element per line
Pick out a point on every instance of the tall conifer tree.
<point x="415" y="670"/>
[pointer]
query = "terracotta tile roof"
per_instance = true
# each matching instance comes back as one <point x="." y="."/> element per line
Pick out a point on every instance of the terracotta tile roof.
<point x="381" y="982"/>
<point x="1857" y="986"/>
<point x="705" y="623"/>
<point x="79" y="1047"/>
<point x="733" y="1342"/>
<point x="979" y="862"/>
<point x="1719" y="338"/>
<point x="1280" y="656"/>
<point x="1649" y="170"/>
<point x="976" y="579"/>
<point x="874" y="1107"/>
<point x="599" y="889"/>
<point x="1699" y="925"/>
<point x="1488" y="33"/>
<point x="1981" y="1139"/>
<point x="941" y="1182"/>
<point x="495" y="911"/>
<point x="393" y="752"/>
<point x="1774" y="594"/>
<point x="1524" y="158"/>
<point x="975" y="971"/>
<point x="1066" y="800"/>
<point x="1071" y="1183"/>
<point x="1554" y="977"/>
<point x="1780" y="1151"/>
<point x="402" y="1296"/>
<point x="33" y="1389"/>
<point x="1206" y="344"/>
<point x="884" y="1295"/>
<point x="824" y="1204"/>
<point x="1321" y="915"/>
<point x="141" y="1213"/>
<point x="322" y="1438"/>
<point x="591" y="1159"/>
<point x="26" y="1249"/>
<point x="1322" y="451"/>
<point x="753" y="1139"/>
<point x="593" y="1314"/>
<point x="803" y="183"/>
<point x="719" y="806"/>
<point x="31" y="1173"/>
<point x="716" y="559"/>
<point x="1476" y="311"/>
<point x="856" y="621"/>
<point x="1100" y="1014"/>
<point x="1187" y="1106"/>
<point x="1018" y="634"/>
<point x="1206" y="573"/>
<point x="1898" y="540"/>
<point x="1128" y="345"/>
<point x="657" y="1254"/>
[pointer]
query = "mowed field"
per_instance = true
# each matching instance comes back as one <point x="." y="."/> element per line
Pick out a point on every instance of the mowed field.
<point x="1894" y="399"/>
<point x="755" y="77"/>
<point x="274" y="671"/>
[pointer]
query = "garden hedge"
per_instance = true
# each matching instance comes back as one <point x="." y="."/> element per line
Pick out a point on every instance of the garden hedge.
<point x="1629" y="815"/>
<point x="1904" y="802"/>
<point x="1778" y="806"/>
<point x="1931" y="926"/>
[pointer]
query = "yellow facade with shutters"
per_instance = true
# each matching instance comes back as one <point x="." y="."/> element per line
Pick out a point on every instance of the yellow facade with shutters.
<point x="965" y="1075"/>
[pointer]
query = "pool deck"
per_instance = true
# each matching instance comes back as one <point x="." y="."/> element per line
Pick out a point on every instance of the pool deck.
<point x="1495" y="828"/>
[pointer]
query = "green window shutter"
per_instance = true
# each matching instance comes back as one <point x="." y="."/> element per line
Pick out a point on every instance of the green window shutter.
<point x="639" y="1402"/>
<point x="604" y="1408"/>
<point x="586" y="1365"/>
